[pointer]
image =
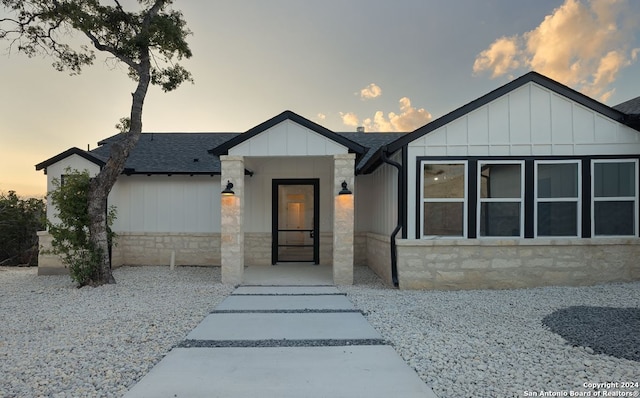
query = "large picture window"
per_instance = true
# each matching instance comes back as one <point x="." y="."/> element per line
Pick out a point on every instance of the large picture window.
<point x="615" y="197"/>
<point x="557" y="196"/>
<point x="444" y="195"/>
<point x="500" y="199"/>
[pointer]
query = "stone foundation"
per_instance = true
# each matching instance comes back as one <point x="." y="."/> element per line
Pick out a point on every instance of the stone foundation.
<point x="378" y="251"/>
<point x="257" y="248"/>
<point x="145" y="249"/>
<point x="518" y="263"/>
<point x="360" y="248"/>
<point x="156" y="249"/>
<point x="190" y="249"/>
<point x="48" y="264"/>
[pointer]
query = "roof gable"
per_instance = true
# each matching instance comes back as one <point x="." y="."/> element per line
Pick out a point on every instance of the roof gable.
<point x="534" y="77"/>
<point x="295" y="123"/>
<point x="70" y="152"/>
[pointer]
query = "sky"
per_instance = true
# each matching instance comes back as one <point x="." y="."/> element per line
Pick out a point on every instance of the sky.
<point x="385" y="65"/>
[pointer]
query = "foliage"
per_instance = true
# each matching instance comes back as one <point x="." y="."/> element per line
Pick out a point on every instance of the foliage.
<point x="20" y="220"/>
<point x="147" y="41"/>
<point x="39" y="27"/>
<point x="71" y="232"/>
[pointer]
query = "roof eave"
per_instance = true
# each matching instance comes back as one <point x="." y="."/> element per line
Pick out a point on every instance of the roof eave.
<point x="501" y="91"/>
<point x="353" y="147"/>
<point x="372" y="163"/>
<point x="69" y="152"/>
<point x="633" y="121"/>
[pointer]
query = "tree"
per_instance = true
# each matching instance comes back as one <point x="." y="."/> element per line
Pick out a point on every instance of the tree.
<point x="20" y="220"/>
<point x="71" y="240"/>
<point x="147" y="41"/>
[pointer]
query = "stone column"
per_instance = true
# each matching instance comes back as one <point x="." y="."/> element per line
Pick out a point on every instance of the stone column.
<point x="231" y="220"/>
<point x="343" y="219"/>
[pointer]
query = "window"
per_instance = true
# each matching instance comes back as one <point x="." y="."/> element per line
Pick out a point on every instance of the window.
<point x="444" y="194"/>
<point x="615" y="197"/>
<point x="500" y="199"/>
<point x="557" y="196"/>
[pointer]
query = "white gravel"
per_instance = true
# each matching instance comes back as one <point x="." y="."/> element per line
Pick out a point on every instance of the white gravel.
<point x="492" y="343"/>
<point x="60" y="341"/>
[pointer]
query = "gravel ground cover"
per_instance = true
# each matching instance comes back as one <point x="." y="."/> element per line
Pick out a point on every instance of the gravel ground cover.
<point x="494" y="343"/>
<point x="60" y="341"/>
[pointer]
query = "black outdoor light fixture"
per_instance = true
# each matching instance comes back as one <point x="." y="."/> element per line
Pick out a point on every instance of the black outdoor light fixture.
<point x="228" y="190"/>
<point x="344" y="190"/>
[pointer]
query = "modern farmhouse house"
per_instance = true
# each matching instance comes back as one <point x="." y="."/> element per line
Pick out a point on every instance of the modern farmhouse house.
<point x="531" y="184"/>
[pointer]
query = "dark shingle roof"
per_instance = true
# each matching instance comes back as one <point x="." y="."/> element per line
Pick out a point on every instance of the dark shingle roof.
<point x="631" y="107"/>
<point x="371" y="141"/>
<point x="171" y="153"/>
<point x="174" y="153"/>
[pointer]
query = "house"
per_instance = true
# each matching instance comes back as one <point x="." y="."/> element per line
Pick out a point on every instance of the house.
<point x="531" y="184"/>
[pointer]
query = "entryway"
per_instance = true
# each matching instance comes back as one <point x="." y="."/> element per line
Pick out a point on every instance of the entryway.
<point x="295" y="221"/>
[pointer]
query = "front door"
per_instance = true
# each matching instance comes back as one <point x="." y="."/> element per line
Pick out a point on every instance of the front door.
<point x="295" y="215"/>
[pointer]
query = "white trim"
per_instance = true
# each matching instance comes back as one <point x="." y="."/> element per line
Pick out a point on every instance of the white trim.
<point x="463" y="200"/>
<point x="633" y="199"/>
<point x="577" y="199"/>
<point x="499" y="200"/>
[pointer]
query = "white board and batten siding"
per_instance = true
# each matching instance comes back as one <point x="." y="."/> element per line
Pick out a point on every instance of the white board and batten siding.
<point x="288" y="139"/>
<point x="171" y="204"/>
<point x="58" y="169"/>
<point x="528" y="121"/>
<point x="376" y="207"/>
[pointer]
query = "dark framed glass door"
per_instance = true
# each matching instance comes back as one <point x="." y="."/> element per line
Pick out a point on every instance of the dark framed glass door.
<point x="295" y="215"/>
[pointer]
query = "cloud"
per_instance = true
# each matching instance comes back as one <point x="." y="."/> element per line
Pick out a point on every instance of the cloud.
<point x="500" y="57"/>
<point x="583" y="44"/>
<point x="370" y="92"/>
<point x="321" y="116"/>
<point x="409" y="119"/>
<point x="350" y="119"/>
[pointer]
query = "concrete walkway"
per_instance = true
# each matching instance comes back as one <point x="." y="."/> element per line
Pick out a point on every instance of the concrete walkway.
<point x="283" y="341"/>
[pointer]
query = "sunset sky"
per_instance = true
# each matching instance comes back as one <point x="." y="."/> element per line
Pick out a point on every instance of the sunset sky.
<point x="386" y="65"/>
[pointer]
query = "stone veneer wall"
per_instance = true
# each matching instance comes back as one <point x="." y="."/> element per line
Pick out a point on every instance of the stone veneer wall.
<point x="360" y="248"/>
<point x="518" y="263"/>
<point x="190" y="249"/>
<point x="379" y="256"/>
<point x="156" y="249"/>
<point x="48" y="264"/>
<point x="257" y="250"/>
<point x="145" y="249"/>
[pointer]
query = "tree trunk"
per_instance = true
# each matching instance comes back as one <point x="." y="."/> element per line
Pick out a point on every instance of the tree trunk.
<point x="104" y="181"/>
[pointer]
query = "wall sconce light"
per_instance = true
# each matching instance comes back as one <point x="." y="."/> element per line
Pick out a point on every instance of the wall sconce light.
<point x="344" y="190"/>
<point x="228" y="190"/>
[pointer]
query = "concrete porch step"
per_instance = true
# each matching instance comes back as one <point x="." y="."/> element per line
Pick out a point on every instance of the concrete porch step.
<point x="281" y="302"/>
<point x="286" y="290"/>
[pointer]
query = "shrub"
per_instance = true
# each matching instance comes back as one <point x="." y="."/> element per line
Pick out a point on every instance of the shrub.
<point x="20" y="220"/>
<point x="71" y="240"/>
